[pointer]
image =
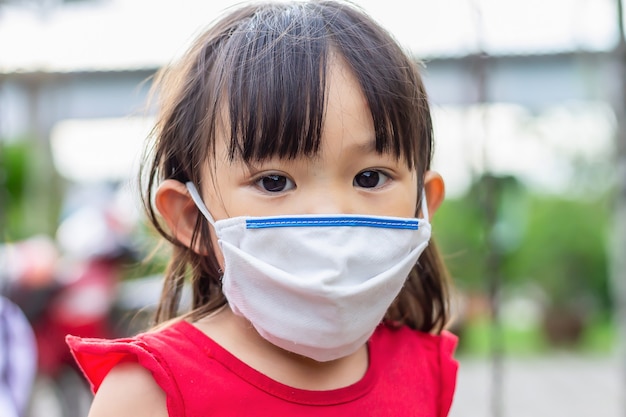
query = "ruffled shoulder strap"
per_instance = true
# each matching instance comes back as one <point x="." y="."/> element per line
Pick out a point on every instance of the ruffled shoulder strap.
<point x="96" y="358"/>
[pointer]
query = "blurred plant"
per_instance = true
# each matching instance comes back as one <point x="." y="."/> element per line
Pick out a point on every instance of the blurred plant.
<point x="557" y="243"/>
<point x="14" y="157"/>
<point x="565" y="250"/>
<point x="463" y="235"/>
<point x="30" y="189"/>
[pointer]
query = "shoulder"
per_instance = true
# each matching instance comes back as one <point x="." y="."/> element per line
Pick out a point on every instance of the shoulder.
<point x="435" y="351"/>
<point x="97" y="357"/>
<point x="129" y="390"/>
<point x="128" y="368"/>
<point x="407" y="339"/>
<point x="409" y="353"/>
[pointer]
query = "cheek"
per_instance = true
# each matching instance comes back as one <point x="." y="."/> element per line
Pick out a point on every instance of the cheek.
<point x="400" y="203"/>
<point x="410" y="205"/>
<point x="409" y="199"/>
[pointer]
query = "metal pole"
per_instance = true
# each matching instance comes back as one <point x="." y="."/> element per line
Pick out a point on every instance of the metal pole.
<point x="490" y="194"/>
<point x="618" y="260"/>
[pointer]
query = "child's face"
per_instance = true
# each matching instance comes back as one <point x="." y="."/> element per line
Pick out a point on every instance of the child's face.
<point x="347" y="176"/>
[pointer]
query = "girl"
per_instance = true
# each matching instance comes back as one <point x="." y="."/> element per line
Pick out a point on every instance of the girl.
<point x="290" y="171"/>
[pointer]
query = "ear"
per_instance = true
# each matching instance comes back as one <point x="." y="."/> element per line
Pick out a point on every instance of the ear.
<point x="179" y="212"/>
<point x="435" y="190"/>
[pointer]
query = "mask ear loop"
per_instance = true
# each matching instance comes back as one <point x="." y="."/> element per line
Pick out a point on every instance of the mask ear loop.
<point x="195" y="196"/>
<point x="425" y="206"/>
<point x="197" y="199"/>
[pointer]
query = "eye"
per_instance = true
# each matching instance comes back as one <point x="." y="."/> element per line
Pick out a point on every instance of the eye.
<point x="370" y="179"/>
<point x="275" y="183"/>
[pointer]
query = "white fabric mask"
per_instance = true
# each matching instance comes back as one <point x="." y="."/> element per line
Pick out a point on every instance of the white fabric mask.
<point x="316" y="285"/>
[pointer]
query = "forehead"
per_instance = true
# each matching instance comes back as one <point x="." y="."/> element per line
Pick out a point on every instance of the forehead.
<point x="347" y="112"/>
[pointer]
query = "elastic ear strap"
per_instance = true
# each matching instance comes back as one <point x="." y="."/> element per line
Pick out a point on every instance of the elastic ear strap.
<point x="425" y="206"/>
<point x="195" y="196"/>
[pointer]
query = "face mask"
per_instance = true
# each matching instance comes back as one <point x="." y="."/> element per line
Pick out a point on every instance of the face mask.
<point x="316" y="285"/>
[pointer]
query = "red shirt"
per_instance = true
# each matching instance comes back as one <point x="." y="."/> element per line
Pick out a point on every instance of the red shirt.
<point x="410" y="374"/>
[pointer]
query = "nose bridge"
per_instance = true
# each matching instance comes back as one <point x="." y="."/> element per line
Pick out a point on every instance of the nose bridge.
<point x="329" y="198"/>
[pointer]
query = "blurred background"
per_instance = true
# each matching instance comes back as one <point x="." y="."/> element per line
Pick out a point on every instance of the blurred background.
<point x="529" y="102"/>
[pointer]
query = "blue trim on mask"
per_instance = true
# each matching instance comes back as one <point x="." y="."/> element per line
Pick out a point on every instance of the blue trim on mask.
<point x="384" y="223"/>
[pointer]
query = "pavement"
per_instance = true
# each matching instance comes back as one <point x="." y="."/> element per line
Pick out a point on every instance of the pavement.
<point x="553" y="386"/>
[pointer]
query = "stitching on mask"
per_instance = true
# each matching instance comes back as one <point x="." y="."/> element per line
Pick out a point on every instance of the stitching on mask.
<point x="347" y="221"/>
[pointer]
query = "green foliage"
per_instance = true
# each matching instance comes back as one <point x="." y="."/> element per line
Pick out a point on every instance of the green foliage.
<point x="30" y="194"/>
<point x="478" y="340"/>
<point x="565" y="250"/>
<point x="600" y="336"/>
<point x="14" y="164"/>
<point x="557" y="243"/>
<point x="478" y="336"/>
<point x="14" y="161"/>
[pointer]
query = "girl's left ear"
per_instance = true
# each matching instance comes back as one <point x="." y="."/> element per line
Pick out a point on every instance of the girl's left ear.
<point x="179" y="212"/>
<point x="435" y="190"/>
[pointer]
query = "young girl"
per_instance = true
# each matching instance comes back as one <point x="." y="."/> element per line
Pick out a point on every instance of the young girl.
<point x="290" y="171"/>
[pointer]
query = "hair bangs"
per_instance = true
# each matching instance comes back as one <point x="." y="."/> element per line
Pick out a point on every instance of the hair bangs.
<point x="391" y="83"/>
<point x="274" y="82"/>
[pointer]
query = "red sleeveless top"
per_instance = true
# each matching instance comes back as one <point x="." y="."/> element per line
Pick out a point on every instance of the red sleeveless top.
<point x="410" y="374"/>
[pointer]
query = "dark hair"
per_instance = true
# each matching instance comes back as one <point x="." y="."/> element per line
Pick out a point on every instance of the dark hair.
<point x="266" y="64"/>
